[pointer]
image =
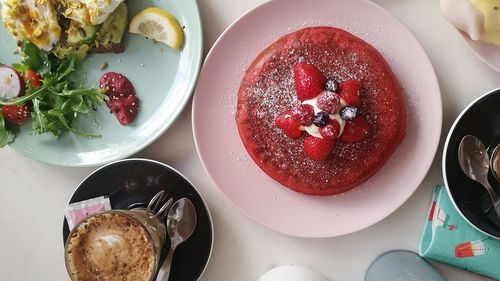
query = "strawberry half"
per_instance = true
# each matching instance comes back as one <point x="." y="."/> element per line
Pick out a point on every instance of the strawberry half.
<point x="16" y="114"/>
<point x="356" y="130"/>
<point x="318" y="149"/>
<point x="350" y="92"/>
<point x="309" y="81"/>
<point x="289" y="124"/>
<point x="33" y="77"/>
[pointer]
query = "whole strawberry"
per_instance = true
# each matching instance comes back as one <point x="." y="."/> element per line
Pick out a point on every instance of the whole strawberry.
<point x="289" y="124"/>
<point x="317" y="148"/>
<point x="309" y="81"/>
<point x="350" y="92"/>
<point x="356" y="130"/>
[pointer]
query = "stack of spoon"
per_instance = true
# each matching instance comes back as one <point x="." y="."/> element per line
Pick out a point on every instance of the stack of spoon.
<point x="475" y="163"/>
<point x="180" y="222"/>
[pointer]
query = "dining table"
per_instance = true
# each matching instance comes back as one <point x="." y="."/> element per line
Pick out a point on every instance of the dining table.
<point x="33" y="194"/>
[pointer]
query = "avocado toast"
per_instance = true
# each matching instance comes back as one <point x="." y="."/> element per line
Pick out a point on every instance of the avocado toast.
<point x="81" y="38"/>
<point x="67" y="27"/>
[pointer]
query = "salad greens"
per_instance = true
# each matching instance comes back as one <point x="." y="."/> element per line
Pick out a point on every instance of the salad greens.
<point x="7" y="134"/>
<point x="58" y="103"/>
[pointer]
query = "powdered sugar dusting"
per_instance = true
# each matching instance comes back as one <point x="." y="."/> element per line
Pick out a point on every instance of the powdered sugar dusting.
<point x="268" y="89"/>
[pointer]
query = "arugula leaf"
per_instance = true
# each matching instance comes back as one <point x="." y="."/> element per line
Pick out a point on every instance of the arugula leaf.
<point x="6" y="136"/>
<point x="58" y="110"/>
<point x="21" y="68"/>
<point x="33" y="58"/>
<point x="31" y="55"/>
<point x="39" y="119"/>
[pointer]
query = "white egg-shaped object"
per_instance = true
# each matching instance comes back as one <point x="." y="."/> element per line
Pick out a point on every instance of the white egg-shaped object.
<point x="292" y="273"/>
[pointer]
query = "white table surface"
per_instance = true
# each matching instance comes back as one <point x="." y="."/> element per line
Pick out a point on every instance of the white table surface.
<point x="33" y="194"/>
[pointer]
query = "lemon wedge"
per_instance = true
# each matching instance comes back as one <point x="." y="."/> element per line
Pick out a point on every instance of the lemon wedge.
<point x="159" y="25"/>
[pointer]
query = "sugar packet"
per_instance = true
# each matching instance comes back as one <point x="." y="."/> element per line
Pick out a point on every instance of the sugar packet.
<point x="77" y="211"/>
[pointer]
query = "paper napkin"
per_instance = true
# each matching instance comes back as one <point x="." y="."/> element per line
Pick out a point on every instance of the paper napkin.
<point x="448" y="238"/>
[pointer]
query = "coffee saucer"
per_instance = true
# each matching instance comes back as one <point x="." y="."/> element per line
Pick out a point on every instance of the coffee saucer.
<point x="131" y="183"/>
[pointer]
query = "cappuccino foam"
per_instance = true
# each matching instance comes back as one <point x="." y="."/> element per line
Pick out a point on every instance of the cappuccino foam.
<point x="111" y="247"/>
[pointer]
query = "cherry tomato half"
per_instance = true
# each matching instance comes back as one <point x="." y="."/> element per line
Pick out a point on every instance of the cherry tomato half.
<point x="33" y="78"/>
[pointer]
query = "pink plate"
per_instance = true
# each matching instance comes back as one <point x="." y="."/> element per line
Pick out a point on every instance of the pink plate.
<point x="488" y="53"/>
<point x="250" y="189"/>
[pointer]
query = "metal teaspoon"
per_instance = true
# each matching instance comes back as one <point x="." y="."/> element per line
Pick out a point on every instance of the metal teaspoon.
<point x="474" y="162"/>
<point x="181" y="222"/>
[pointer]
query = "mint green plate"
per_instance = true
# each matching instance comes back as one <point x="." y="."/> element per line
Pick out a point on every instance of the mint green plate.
<point x="164" y="79"/>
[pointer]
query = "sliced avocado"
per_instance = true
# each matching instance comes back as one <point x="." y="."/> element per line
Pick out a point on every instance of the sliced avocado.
<point x="81" y="33"/>
<point x="112" y="30"/>
<point x="62" y="52"/>
<point x="79" y="52"/>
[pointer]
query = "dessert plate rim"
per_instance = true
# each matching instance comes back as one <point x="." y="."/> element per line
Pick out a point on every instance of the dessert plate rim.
<point x="248" y="188"/>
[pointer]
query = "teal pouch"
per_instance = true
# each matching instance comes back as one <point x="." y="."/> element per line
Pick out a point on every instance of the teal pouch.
<point x="448" y="238"/>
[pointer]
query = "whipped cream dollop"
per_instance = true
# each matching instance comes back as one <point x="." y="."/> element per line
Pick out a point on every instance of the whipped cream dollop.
<point x="312" y="129"/>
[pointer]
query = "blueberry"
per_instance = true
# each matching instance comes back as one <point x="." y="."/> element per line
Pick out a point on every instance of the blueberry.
<point x="332" y="85"/>
<point x="321" y="119"/>
<point x="348" y="113"/>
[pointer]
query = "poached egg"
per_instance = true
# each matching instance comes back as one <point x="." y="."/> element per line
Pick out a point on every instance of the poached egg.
<point x="34" y="20"/>
<point x="89" y="11"/>
<point x="292" y="273"/>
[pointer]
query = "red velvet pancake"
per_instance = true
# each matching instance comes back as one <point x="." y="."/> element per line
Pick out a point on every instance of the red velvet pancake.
<point x="267" y="89"/>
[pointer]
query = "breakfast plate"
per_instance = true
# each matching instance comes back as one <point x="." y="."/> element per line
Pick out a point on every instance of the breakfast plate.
<point x="488" y="53"/>
<point x="132" y="183"/>
<point x="249" y="188"/>
<point x="163" y="79"/>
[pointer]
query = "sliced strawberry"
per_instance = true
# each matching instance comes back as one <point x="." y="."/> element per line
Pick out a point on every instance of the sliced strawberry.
<point x="16" y="114"/>
<point x="350" y="92"/>
<point x="318" y="149"/>
<point x="329" y="102"/>
<point x="290" y="125"/>
<point x="304" y="114"/>
<point x="356" y="130"/>
<point x="309" y="81"/>
<point x="331" y="130"/>
<point x="125" y="109"/>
